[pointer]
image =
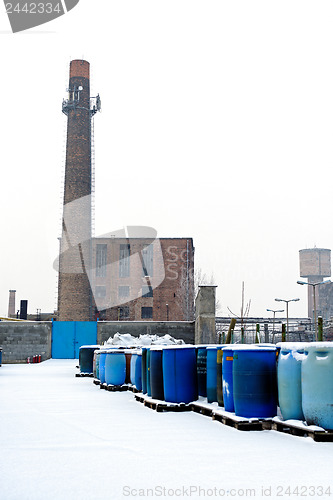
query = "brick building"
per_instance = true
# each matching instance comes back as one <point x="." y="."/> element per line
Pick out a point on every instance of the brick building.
<point x="112" y="278"/>
<point x="138" y="279"/>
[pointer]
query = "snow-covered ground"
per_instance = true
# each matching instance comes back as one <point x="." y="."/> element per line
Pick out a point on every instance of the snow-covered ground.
<point x="63" y="438"/>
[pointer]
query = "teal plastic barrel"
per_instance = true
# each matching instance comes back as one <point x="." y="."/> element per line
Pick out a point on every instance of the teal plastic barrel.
<point x="317" y="384"/>
<point x="115" y="367"/>
<point x="102" y="365"/>
<point x="212" y="373"/>
<point x="86" y="358"/>
<point x="254" y="381"/>
<point x="156" y="373"/>
<point x="97" y="355"/>
<point x="180" y="374"/>
<point x="289" y="370"/>
<point x="202" y="370"/>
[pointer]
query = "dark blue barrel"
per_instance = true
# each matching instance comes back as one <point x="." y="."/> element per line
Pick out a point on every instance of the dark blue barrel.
<point x="148" y="372"/>
<point x="86" y="358"/>
<point x="227" y="379"/>
<point x="212" y="373"/>
<point x="289" y="380"/>
<point x="97" y="355"/>
<point x="156" y="373"/>
<point x="317" y="384"/>
<point x="115" y="367"/>
<point x="102" y="366"/>
<point x="144" y="370"/>
<point x="202" y="370"/>
<point x="254" y="381"/>
<point x="180" y="374"/>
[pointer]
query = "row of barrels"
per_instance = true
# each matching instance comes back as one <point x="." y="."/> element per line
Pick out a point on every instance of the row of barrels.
<point x="248" y="380"/>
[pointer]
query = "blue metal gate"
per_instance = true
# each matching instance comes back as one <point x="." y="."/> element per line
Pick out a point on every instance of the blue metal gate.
<point x="69" y="336"/>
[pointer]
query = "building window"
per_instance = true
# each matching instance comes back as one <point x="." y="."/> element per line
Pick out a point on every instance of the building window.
<point x="101" y="259"/>
<point x="100" y="292"/>
<point x="124" y="261"/>
<point x="147" y="291"/>
<point x="148" y="260"/>
<point x="123" y="291"/>
<point x="123" y="312"/>
<point x="146" y="312"/>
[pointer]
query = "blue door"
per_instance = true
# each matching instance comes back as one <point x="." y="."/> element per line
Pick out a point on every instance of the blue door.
<point x="69" y="336"/>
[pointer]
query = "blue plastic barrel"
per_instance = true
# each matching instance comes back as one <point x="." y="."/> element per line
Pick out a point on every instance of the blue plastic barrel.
<point x="148" y="372"/>
<point x="212" y="373"/>
<point x="156" y="373"/>
<point x="144" y="370"/>
<point x="136" y="362"/>
<point x="180" y="374"/>
<point x="86" y="357"/>
<point x="202" y="370"/>
<point x="115" y="367"/>
<point x="227" y="379"/>
<point x="289" y="379"/>
<point x="317" y="384"/>
<point x="254" y="381"/>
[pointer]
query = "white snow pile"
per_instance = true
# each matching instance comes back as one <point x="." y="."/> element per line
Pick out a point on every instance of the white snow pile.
<point x="127" y="340"/>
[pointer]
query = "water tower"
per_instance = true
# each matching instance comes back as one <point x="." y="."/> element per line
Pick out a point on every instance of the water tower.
<point x="315" y="264"/>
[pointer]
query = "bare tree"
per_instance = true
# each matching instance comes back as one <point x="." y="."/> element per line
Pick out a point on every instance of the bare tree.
<point x="245" y="310"/>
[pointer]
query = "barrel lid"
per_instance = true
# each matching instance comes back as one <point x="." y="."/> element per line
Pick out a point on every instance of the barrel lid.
<point x="216" y="346"/>
<point x="292" y="346"/>
<point x="319" y="345"/>
<point x="90" y="346"/>
<point x="182" y="346"/>
<point x="251" y="347"/>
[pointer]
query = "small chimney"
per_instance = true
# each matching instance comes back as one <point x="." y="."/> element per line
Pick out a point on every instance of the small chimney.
<point x="11" y="304"/>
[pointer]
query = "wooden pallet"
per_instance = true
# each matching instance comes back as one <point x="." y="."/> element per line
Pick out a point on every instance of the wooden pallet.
<point x="298" y="428"/>
<point x="159" y="406"/>
<point x="84" y="374"/>
<point x="96" y="381"/>
<point x="240" y="423"/>
<point x="202" y="408"/>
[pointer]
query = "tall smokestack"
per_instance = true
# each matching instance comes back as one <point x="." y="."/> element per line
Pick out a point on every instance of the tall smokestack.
<point x="11" y="304"/>
<point x="74" y="291"/>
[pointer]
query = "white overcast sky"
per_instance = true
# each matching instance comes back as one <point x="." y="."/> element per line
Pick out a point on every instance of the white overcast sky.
<point x="216" y="124"/>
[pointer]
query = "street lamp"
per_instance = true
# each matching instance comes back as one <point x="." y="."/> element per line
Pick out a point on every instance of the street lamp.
<point x="274" y="312"/>
<point x="314" y="301"/>
<point x="287" y="303"/>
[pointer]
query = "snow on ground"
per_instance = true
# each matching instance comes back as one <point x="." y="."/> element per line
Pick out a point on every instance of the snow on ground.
<point x="63" y="438"/>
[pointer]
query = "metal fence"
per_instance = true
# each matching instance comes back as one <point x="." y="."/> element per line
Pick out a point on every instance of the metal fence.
<point x="300" y="330"/>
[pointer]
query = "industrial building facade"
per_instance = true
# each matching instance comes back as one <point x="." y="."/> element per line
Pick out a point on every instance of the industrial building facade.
<point x="135" y="279"/>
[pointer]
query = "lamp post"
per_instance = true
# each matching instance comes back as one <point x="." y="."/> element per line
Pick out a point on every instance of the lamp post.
<point x="274" y="312"/>
<point x="314" y="301"/>
<point x="287" y="304"/>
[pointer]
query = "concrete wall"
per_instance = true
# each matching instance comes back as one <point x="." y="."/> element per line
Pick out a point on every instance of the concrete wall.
<point x="20" y="340"/>
<point x="178" y="329"/>
<point x="205" y="327"/>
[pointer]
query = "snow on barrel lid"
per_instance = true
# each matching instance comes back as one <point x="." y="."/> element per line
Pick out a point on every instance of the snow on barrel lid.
<point x="182" y="346"/>
<point x="250" y="347"/>
<point x="90" y="346"/>
<point x="292" y="346"/>
<point x="319" y="345"/>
